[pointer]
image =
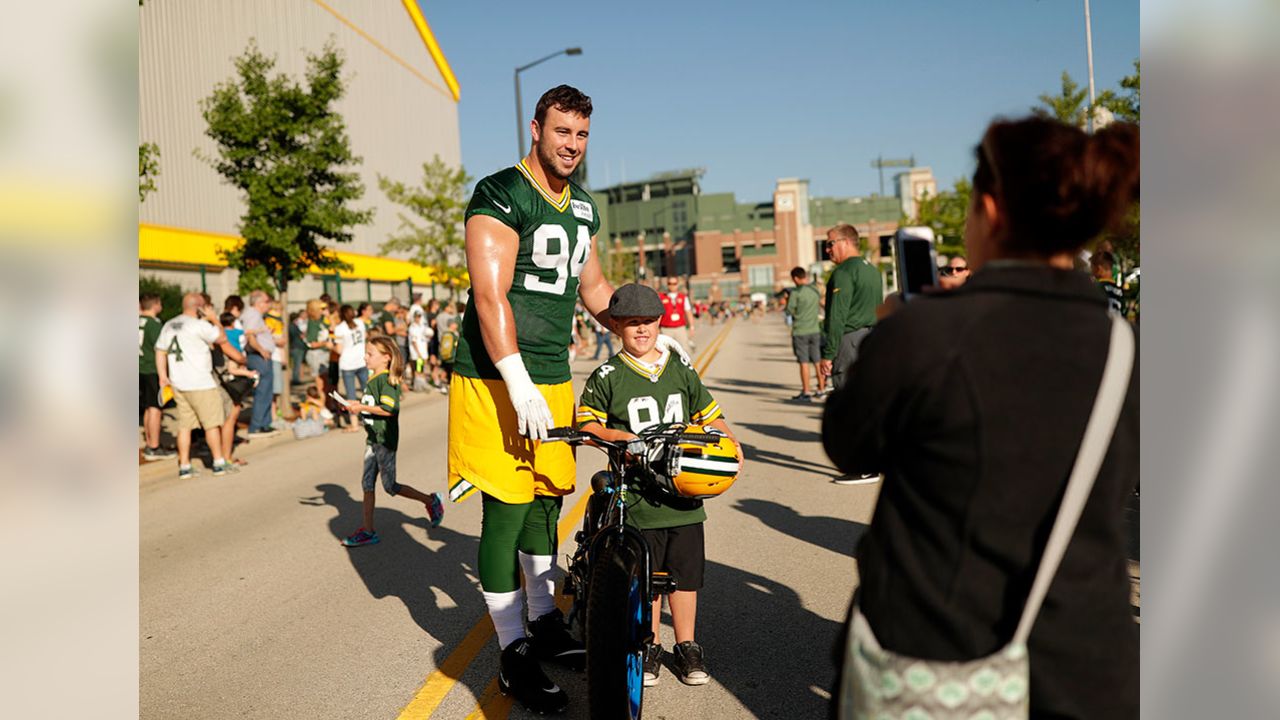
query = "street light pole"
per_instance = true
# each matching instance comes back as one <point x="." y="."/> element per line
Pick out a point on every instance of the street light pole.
<point x="520" y="129"/>
<point x="1088" y="41"/>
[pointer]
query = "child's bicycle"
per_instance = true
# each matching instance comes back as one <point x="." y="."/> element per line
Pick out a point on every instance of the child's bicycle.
<point x="609" y="578"/>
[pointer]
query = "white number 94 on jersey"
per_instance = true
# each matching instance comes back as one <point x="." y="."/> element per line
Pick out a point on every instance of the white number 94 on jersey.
<point x="565" y="263"/>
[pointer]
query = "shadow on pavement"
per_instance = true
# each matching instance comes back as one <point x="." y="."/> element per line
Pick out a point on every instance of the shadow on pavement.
<point x="746" y="387"/>
<point x="754" y="454"/>
<point x="834" y="534"/>
<point x="400" y="566"/>
<point x="763" y="645"/>
<point x="784" y="432"/>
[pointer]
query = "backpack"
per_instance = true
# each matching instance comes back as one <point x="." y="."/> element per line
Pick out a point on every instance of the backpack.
<point x="448" y="346"/>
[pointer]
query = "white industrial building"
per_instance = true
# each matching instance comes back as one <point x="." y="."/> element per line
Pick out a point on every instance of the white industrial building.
<point x="400" y="109"/>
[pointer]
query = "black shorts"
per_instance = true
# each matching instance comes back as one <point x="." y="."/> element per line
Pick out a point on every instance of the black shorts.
<point x="680" y="551"/>
<point x="148" y="391"/>
<point x="238" y="387"/>
<point x="807" y="348"/>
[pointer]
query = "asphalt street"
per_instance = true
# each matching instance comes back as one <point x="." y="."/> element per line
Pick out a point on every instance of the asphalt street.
<point x="252" y="609"/>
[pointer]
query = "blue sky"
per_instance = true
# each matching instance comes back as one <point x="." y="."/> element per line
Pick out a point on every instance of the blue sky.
<point x="754" y="91"/>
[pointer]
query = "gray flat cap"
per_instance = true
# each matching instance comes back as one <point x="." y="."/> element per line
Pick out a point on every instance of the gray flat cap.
<point x="634" y="300"/>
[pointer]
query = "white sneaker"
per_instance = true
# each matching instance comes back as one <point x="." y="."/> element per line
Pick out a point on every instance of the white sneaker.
<point x="856" y="479"/>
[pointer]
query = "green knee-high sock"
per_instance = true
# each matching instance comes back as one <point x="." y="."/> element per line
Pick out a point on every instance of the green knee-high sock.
<point x="501" y="526"/>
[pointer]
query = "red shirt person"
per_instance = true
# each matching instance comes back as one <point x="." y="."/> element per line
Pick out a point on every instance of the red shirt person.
<point x="677" y="315"/>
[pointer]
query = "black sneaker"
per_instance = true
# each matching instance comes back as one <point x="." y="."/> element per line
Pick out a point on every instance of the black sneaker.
<point x="520" y="676"/>
<point x="552" y="641"/>
<point x="802" y="396"/>
<point x="652" y="664"/>
<point x="688" y="664"/>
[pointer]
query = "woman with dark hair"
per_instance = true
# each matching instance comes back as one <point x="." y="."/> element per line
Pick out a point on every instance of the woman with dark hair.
<point x="973" y="403"/>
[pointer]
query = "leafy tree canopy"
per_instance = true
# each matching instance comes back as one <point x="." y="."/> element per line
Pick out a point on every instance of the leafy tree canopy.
<point x="285" y="146"/>
<point x="945" y="213"/>
<point x="432" y="230"/>
<point x="148" y="169"/>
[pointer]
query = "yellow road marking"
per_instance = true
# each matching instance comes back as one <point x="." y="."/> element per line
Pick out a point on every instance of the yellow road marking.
<point x="491" y="704"/>
<point x="710" y="353"/>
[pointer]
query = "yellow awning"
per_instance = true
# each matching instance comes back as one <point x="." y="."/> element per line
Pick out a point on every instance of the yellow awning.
<point x="159" y="244"/>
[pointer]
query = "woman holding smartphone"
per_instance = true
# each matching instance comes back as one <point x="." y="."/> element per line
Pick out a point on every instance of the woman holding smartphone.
<point x="973" y="403"/>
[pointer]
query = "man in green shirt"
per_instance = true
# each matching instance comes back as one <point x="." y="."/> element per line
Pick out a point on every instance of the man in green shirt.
<point x="806" y="331"/>
<point x="148" y="377"/>
<point x="853" y="292"/>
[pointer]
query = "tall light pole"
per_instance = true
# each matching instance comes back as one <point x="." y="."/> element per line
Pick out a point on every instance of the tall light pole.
<point x="1088" y="41"/>
<point x="520" y="129"/>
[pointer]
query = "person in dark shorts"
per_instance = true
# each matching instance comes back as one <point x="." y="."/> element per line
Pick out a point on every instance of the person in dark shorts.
<point x="149" y="378"/>
<point x="623" y="397"/>
<point x="806" y="331"/>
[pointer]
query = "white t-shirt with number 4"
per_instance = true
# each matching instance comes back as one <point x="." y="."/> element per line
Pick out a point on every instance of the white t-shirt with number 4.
<point x="187" y="340"/>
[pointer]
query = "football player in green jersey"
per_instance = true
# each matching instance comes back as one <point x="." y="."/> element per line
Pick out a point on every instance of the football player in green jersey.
<point x="530" y="254"/>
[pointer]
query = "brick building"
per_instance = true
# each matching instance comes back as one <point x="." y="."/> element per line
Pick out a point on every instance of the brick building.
<point x="666" y="225"/>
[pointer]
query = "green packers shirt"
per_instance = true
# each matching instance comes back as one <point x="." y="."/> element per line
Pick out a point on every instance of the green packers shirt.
<point x="148" y="333"/>
<point x="555" y="240"/>
<point x="623" y="394"/>
<point x="379" y="392"/>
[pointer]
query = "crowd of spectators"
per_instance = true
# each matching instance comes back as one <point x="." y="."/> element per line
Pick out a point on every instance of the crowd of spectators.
<point x="210" y="367"/>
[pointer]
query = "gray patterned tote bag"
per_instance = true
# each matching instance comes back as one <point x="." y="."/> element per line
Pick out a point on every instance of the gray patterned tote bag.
<point x="877" y="684"/>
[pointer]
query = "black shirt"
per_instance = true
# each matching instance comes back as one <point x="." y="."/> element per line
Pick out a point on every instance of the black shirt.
<point x="973" y="403"/>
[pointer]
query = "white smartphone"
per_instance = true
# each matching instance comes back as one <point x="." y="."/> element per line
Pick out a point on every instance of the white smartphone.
<point x="916" y="260"/>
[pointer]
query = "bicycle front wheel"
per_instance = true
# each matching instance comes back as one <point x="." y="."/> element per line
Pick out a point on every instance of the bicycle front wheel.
<point x="616" y="618"/>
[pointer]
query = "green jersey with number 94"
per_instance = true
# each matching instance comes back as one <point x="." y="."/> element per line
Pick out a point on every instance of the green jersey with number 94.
<point x="555" y="239"/>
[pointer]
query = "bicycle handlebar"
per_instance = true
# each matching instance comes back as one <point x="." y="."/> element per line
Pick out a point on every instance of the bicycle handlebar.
<point x="575" y="436"/>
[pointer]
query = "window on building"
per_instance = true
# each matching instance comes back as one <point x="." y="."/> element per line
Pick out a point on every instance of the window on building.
<point x="729" y="258"/>
<point x="886" y="246"/>
<point x="760" y="276"/>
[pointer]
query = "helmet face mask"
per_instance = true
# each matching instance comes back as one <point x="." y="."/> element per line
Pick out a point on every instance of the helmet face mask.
<point x="693" y="470"/>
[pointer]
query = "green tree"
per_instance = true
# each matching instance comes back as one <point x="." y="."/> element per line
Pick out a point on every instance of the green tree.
<point x="432" y="232"/>
<point x="1126" y="105"/>
<point x="1068" y="106"/>
<point x="148" y="169"/>
<point x="945" y="213"/>
<point x="285" y="146"/>
<point x="170" y="295"/>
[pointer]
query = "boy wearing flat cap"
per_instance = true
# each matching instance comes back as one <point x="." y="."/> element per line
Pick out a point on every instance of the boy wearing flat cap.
<point x="637" y="388"/>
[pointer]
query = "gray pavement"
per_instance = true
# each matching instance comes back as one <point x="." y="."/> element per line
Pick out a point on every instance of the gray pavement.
<point x="251" y="608"/>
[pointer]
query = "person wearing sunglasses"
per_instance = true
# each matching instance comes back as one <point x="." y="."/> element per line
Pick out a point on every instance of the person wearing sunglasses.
<point x="954" y="273"/>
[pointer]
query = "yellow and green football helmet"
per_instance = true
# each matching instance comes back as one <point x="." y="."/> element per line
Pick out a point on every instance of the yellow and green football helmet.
<point x="695" y="470"/>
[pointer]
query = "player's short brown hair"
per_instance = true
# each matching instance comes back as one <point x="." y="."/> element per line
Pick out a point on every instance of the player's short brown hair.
<point x="564" y="98"/>
<point x="845" y="230"/>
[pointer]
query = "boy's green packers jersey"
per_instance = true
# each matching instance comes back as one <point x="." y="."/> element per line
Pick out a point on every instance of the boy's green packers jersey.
<point x="379" y="392"/>
<point x="623" y="395"/>
<point x="555" y="241"/>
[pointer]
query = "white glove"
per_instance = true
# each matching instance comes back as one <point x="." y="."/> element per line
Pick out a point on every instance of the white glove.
<point x="666" y="342"/>
<point x="532" y="413"/>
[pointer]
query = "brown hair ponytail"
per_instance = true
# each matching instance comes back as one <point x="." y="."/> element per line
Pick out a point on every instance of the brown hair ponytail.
<point x="1057" y="186"/>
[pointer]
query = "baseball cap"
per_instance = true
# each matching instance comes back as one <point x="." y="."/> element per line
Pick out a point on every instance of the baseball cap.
<point x="634" y="300"/>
